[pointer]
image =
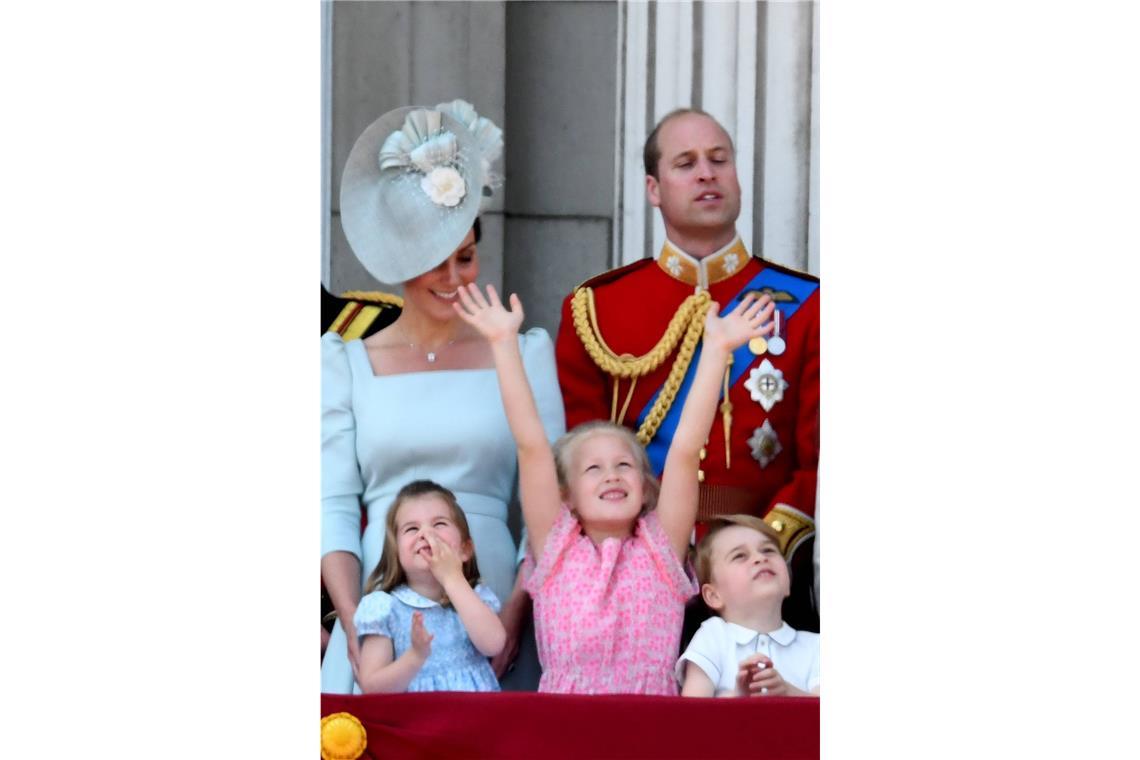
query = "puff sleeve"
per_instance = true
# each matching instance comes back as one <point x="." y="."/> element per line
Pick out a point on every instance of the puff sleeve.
<point x="563" y="533"/>
<point x="679" y="577"/>
<point x="341" y="484"/>
<point x="373" y="615"/>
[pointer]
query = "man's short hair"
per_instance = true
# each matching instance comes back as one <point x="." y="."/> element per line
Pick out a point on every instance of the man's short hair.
<point x="651" y="153"/>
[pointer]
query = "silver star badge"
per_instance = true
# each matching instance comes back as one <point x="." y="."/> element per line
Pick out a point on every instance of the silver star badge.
<point x="766" y="384"/>
<point x="765" y="445"/>
<point x="673" y="264"/>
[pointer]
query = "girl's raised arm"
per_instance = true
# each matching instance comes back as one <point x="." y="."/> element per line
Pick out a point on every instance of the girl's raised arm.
<point x="677" y="504"/>
<point x="538" y="480"/>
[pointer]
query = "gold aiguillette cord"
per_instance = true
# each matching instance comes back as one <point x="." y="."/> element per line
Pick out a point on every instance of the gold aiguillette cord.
<point x="726" y="413"/>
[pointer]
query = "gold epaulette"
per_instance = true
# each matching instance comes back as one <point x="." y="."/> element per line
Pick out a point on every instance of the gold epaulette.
<point x="361" y="311"/>
<point x="792" y="525"/>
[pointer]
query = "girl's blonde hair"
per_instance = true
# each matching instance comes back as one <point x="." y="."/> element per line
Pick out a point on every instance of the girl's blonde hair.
<point x="567" y="445"/>
<point x="388" y="573"/>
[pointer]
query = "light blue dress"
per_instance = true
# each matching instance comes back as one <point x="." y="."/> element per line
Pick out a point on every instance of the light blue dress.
<point x="454" y="663"/>
<point x="379" y="433"/>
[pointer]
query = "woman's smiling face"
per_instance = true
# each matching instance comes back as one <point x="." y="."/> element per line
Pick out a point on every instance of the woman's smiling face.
<point x="437" y="289"/>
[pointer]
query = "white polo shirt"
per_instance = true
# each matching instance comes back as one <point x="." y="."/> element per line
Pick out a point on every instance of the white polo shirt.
<point x="719" y="647"/>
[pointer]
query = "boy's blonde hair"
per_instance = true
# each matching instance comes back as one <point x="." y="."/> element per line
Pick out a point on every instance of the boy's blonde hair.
<point x="567" y="445"/>
<point x="388" y="573"/>
<point x="703" y="559"/>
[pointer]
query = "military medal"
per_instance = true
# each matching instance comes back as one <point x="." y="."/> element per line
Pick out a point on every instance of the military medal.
<point x="765" y="444"/>
<point x="776" y="342"/>
<point x="758" y="346"/>
<point x="766" y="384"/>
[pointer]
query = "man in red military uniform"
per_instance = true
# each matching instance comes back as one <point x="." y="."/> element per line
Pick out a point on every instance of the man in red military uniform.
<point x="628" y="337"/>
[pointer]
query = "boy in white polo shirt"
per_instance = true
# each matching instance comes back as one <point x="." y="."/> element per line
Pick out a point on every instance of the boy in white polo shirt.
<point x="746" y="649"/>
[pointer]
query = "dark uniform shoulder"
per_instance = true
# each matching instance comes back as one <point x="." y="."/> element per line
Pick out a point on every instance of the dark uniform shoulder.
<point x="806" y="276"/>
<point x="357" y="313"/>
<point x="615" y="274"/>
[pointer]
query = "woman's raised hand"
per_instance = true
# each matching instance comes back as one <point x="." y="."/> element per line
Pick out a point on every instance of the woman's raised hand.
<point x="752" y="318"/>
<point x="487" y="314"/>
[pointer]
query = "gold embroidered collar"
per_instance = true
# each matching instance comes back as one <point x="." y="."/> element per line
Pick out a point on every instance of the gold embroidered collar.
<point x="701" y="273"/>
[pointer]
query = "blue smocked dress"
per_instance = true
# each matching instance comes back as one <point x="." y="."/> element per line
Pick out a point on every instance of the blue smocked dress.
<point x="378" y="433"/>
<point x="454" y="663"/>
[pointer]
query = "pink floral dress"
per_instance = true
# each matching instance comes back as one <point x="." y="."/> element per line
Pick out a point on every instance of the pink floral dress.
<point x="608" y="618"/>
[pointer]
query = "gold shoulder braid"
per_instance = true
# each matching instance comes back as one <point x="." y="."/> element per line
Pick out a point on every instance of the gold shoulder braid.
<point x="689" y="321"/>
<point x="373" y="296"/>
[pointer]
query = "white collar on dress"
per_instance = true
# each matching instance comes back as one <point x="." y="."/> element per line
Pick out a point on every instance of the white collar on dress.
<point x="784" y="635"/>
<point x="413" y="598"/>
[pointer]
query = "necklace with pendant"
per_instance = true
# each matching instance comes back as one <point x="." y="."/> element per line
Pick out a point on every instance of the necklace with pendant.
<point x="431" y="355"/>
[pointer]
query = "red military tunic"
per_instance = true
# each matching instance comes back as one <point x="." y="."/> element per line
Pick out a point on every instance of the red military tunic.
<point x="634" y="305"/>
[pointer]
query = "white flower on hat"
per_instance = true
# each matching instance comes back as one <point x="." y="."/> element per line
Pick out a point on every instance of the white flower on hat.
<point x="445" y="186"/>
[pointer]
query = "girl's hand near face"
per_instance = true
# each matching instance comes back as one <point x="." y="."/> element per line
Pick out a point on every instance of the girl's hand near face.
<point x="488" y="315"/>
<point x="481" y="623"/>
<point x="445" y="565"/>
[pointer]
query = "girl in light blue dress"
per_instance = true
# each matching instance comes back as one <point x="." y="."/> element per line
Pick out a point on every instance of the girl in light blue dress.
<point x="426" y="623"/>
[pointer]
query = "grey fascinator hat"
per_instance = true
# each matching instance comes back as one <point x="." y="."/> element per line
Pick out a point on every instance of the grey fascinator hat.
<point x="413" y="185"/>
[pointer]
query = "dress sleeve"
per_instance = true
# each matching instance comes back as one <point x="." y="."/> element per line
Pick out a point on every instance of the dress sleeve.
<point x="560" y="538"/>
<point x="538" y="360"/>
<point x="679" y="577"/>
<point x="341" y="485"/>
<point x="488" y="597"/>
<point x="373" y="615"/>
<point x="702" y="652"/>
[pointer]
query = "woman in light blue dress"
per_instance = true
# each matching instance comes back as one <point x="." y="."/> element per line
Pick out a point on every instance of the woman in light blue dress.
<point x="418" y="399"/>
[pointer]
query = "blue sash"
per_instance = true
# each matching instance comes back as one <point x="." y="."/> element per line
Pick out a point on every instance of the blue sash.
<point x="742" y="358"/>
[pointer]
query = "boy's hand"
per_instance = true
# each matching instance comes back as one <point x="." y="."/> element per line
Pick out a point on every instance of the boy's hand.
<point x="757" y="678"/>
<point x="745" y="674"/>
<point x="752" y="318"/>
<point x="421" y="639"/>
<point x="488" y="315"/>
<point x="443" y="562"/>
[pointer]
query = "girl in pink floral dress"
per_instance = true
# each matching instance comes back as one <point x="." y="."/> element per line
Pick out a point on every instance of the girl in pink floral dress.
<point x="608" y="542"/>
